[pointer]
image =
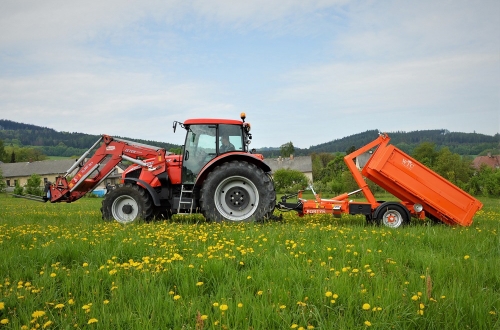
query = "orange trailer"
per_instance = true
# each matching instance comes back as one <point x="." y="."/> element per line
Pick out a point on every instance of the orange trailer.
<point x="422" y="192"/>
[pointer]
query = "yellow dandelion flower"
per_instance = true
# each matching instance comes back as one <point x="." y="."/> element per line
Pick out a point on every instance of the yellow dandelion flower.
<point x="4" y="321"/>
<point x="493" y="313"/>
<point x="53" y="275"/>
<point x="466" y="257"/>
<point x="328" y="294"/>
<point x="2" y="305"/>
<point x="282" y="306"/>
<point x="293" y="326"/>
<point x="85" y="264"/>
<point x="24" y="327"/>
<point x="71" y="301"/>
<point x="366" y="306"/>
<point x="177" y="297"/>
<point x="92" y="321"/>
<point x="59" y="306"/>
<point x="47" y="324"/>
<point x="105" y="302"/>
<point x="240" y="305"/>
<point x="86" y="307"/>
<point x="420" y="312"/>
<point x="335" y="296"/>
<point x="223" y="307"/>
<point x="414" y="298"/>
<point x="368" y="323"/>
<point x="260" y="293"/>
<point x="37" y="314"/>
<point x="422" y="306"/>
<point x="112" y="271"/>
<point x="310" y="327"/>
<point x="204" y="317"/>
<point x="215" y="304"/>
<point x="199" y="284"/>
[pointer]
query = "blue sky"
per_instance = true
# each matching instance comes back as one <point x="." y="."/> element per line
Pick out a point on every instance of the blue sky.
<point x="303" y="71"/>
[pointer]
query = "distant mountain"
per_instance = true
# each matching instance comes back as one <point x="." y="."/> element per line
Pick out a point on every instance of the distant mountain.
<point x="460" y="143"/>
<point x="54" y="143"/>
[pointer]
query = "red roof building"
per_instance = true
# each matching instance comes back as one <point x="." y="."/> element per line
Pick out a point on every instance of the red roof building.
<point x="491" y="161"/>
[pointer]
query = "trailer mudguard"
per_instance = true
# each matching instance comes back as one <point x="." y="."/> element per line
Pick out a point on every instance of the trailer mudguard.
<point x="385" y="204"/>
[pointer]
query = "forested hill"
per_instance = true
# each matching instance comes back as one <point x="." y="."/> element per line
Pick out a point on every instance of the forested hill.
<point x="53" y="143"/>
<point x="460" y="143"/>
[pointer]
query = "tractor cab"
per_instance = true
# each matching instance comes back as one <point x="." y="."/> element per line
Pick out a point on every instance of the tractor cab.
<point x="206" y="139"/>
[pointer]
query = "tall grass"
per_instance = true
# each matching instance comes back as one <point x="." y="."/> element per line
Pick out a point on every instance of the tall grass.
<point x="62" y="267"/>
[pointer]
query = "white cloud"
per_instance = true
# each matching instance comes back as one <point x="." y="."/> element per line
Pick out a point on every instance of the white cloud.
<point x="135" y="65"/>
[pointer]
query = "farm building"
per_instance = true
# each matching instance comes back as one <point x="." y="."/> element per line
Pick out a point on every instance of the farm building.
<point x="48" y="170"/>
<point x="302" y="164"/>
<point x="489" y="160"/>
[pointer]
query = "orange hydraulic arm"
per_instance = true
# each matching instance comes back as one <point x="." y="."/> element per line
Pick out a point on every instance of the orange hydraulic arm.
<point x="382" y="140"/>
<point x="96" y="169"/>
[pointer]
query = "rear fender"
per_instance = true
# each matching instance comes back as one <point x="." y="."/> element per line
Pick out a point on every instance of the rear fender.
<point x="224" y="158"/>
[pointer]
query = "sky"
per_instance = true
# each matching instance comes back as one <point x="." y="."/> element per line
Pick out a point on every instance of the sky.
<point x="303" y="71"/>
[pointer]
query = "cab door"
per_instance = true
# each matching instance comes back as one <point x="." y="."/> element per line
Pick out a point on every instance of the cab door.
<point x="199" y="148"/>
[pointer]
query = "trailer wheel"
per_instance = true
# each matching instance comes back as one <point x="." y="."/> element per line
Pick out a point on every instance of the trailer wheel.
<point x="237" y="191"/>
<point x="393" y="216"/>
<point x="127" y="204"/>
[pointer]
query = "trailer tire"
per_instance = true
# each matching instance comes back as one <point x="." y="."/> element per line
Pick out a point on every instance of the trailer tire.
<point x="237" y="191"/>
<point x="127" y="204"/>
<point x="393" y="215"/>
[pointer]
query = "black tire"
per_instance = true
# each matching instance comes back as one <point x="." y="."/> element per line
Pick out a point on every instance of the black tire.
<point x="162" y="212"/>
<point x="237" y="191"/>
<point x="126" y="204"/>
<point x="393" y="216"/>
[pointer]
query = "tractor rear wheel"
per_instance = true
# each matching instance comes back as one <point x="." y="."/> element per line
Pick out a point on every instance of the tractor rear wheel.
<point x="237" y="191"/>
<point x="126" y="204"/>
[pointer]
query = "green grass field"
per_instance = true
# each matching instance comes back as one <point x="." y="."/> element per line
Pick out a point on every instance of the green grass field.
<point x="62" y="267"/>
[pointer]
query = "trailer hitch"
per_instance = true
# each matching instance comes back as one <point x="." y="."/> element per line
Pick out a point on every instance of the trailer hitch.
<point x="285" y="207"/>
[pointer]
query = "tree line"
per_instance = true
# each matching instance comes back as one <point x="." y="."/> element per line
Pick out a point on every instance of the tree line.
<point x="459" y="143"/>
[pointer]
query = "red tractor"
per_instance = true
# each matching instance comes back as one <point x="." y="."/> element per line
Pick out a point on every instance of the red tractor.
<point x="216" y="175"/>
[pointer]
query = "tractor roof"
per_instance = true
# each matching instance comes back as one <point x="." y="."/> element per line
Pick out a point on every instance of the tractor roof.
<point x="201" y="121"/>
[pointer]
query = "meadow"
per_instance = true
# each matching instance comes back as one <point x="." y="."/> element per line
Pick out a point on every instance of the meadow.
<point x="62" y="267"/>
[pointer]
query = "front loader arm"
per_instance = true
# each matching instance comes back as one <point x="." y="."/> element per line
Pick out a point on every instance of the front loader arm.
<point x="97" y="168"/>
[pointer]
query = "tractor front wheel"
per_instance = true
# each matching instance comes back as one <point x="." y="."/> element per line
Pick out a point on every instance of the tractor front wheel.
<point x="127" y="204"/>
<point x="237" y="191"/>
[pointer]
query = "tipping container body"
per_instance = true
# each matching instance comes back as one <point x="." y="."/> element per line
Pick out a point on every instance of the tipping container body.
<point x="411" y="181"/>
